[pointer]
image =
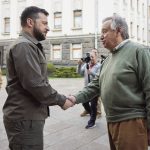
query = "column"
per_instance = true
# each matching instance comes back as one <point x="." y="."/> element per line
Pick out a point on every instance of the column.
<point x="13" y="19"/>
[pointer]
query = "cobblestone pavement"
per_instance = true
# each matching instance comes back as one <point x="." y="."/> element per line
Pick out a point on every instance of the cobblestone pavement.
<point x="65" y="129"/>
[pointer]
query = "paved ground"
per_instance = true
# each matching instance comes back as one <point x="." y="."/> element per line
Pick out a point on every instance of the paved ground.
<point x="65" y="129"/>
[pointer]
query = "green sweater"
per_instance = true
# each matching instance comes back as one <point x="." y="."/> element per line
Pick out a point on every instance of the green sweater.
<point x="123" y="84"/>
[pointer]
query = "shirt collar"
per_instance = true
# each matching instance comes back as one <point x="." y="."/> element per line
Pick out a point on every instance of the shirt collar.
<point x="29" y="37"/>
<point x="120" y="45"/>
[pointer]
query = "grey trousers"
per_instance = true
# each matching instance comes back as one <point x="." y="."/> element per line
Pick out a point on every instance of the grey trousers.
<point x="25" y="134"/>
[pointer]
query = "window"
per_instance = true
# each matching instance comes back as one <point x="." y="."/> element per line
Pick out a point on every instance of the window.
<point x="77" y="18"/>
<point x="76" y="51"/>
<point x="56" y="52"/>
<point x="6" y="25"/>
<point x="57" y="20"/>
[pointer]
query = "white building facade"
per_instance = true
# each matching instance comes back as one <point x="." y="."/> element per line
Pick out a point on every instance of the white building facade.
<point x="75" y="25"/>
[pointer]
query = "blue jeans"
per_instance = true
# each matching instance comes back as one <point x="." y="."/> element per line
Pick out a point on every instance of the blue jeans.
<point x="91" y="107"/>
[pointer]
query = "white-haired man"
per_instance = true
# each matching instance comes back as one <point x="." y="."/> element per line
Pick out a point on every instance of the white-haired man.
<point x="124" y="86"/>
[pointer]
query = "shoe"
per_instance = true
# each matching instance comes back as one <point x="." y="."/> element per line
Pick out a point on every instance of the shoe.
<point x="90" y="125"/>
<point x="98" y="115"/>
<point x="84" y="113"/>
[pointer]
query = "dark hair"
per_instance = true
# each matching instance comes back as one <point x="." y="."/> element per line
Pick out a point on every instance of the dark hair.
<point x="31" y="12"/>
<point x="119" y="22"/>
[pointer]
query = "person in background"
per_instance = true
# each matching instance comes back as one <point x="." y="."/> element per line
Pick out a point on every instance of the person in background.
<point x="28" y="88"/>
<point x="89" y="70"/>
<point x="124" y="87"/>
<point x="99" y="109"/>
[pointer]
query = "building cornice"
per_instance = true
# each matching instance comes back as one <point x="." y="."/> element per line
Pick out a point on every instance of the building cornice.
<point x="2" y="41"/>
<point x="72" y="36"/>
<point x="57" y="37"/>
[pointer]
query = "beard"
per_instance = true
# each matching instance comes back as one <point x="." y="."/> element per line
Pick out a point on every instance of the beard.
<point x="38" y="34"/>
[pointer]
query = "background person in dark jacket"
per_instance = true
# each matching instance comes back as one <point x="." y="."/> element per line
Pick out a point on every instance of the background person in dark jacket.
<point x="28" y="88"/>
<point x="89" y="70"/>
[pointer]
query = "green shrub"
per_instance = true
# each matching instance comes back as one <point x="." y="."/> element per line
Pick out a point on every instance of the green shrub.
<point x="62" y="72"/>
<point x="50" y="69"/>
<point x="66" y="72"/>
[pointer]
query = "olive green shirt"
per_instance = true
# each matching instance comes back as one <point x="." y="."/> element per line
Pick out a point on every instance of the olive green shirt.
<point x="28" y="88"/>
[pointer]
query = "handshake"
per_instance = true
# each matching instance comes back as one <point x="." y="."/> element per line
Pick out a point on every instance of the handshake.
<point x="70" y="102"/>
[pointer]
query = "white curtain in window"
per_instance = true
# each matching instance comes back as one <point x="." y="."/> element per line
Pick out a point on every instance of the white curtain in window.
<point x="78" y="22"/>
<point x="56" y="52"/>
<point x="77" y="18"/>
<point x="76" y="51"/>
<point x="57" y="20"/>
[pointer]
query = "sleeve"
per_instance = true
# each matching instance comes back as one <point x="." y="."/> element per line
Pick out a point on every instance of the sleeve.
<point x="144" y="77"/>
<point x="89" y="92"/>
<point x="81" y="69"/>
<point x="29" y="72"/>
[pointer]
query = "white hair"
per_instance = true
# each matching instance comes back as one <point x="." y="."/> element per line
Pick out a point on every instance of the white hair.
<point x="119" y="23"/>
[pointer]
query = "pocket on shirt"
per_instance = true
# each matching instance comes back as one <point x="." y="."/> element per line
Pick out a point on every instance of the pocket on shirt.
<point x="43" y="66"/>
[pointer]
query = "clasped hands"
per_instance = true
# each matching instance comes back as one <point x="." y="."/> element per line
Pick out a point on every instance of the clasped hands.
<point x="70" y="102"/>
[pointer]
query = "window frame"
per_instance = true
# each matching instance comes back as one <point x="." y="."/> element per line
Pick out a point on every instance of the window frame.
<point x="73" y="49"/>
<point x="52" y="52"/>
<point x="7" y="25"/>
<point x="55" y="19"/>
<point x="77" y="14"/>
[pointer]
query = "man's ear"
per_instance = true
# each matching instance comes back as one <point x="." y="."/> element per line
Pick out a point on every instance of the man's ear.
<point x="30" y="22"/>
<point x="118" y="30"/>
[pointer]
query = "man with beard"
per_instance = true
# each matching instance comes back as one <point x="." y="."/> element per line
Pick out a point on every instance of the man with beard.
<point x="28" y="88"/>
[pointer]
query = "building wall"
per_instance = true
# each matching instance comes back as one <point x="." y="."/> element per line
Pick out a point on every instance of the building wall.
<point x="93" y="12"/>
<point x="148" y="22"/>
<point x="134" y="11"/>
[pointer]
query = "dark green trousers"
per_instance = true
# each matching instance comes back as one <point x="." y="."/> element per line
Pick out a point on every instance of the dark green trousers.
<point x="25" y="134"/>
